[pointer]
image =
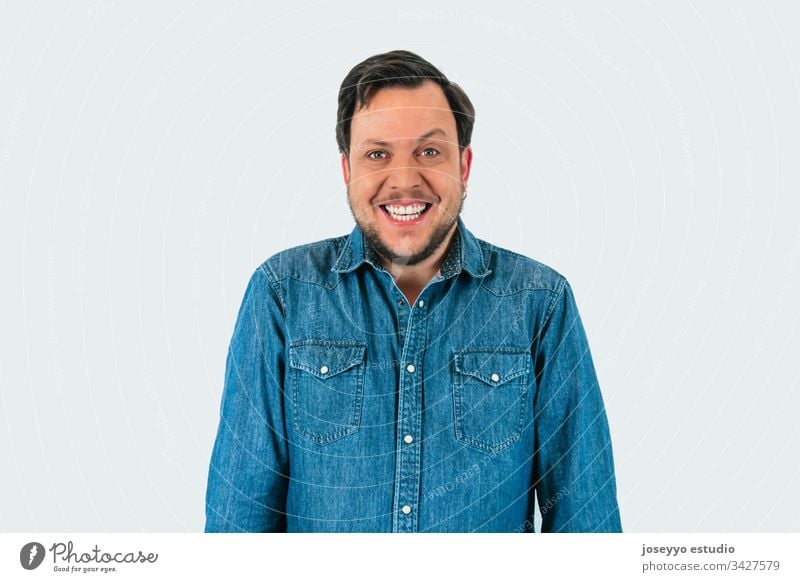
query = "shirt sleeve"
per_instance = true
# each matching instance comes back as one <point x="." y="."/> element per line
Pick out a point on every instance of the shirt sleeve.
<point x="248" y="473"/>
<point x="573" y="461"/>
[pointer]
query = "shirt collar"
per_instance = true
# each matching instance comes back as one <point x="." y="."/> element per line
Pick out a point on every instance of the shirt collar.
<point x="464" y="254"/>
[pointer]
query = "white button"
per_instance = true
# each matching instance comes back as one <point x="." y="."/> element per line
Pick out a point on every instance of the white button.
<point x="408" y="439"/>
<point x="323" y="370"/>
<point x="495" y="378"/>
<point x="410" y="368"/>
<point x="421" y="303"/>
<point x="406" y="509"/>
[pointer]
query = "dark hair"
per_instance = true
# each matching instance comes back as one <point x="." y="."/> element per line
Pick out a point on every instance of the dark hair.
<point x="397" y="68"/>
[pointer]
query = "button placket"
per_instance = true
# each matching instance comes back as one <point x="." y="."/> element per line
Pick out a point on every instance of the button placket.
<point x="408" y="461"/>
<point x="401" y="312"/>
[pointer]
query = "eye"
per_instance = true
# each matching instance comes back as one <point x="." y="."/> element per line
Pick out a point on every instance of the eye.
<point x="376" y="155"/>
<point x="429" y="152"/>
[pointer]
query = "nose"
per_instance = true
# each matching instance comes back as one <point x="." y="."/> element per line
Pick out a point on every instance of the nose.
<point x="403" y="175"/>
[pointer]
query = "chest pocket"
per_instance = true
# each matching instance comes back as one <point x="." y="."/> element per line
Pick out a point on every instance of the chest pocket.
<point x="489" y="394"/>
<point x="327" y="388"/>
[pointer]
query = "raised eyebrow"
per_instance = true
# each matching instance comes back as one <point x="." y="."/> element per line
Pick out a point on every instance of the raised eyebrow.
<point x="423" y="137"/>
<point x="431" y="133"/>
<point x="377" y="142"/>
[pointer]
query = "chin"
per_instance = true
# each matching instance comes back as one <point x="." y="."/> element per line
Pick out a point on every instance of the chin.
<point x="402" y="251"/>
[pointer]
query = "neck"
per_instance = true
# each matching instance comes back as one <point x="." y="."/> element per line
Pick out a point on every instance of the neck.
<point x="419" y="274"/>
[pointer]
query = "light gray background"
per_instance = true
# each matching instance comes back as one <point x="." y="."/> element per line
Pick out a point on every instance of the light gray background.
<point x="153" y="154"/>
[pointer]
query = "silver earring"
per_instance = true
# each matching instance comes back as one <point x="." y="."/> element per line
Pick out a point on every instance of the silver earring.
<point x="464" y="195"/>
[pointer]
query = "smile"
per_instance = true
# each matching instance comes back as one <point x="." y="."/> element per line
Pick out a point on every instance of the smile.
<point x="405" y="213"/>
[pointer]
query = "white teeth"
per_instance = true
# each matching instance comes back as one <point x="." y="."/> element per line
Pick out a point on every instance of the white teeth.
<point x="404" y="217"/>
<point x="410" y="209"/>
<point x="404" y="213"/>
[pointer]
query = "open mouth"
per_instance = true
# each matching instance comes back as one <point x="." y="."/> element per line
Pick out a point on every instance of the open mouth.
<point x="405" y="212"/>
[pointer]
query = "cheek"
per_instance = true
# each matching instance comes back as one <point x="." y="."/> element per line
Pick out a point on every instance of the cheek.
<point x="360" y="194"/>
<point x="447" y="185"/>
<point x="363" y="188"/>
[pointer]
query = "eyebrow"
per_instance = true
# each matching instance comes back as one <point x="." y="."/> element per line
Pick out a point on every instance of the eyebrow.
<point x="423" y="137"/>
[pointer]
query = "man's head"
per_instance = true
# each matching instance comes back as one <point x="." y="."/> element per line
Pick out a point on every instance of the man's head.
<point x="404" y="133"/>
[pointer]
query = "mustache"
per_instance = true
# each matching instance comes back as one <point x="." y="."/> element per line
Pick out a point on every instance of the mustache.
<point x="418" y="196"/>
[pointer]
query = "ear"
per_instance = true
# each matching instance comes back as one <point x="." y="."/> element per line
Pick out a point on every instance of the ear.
<point x="346" y="169"/>
<point x="466" y="164"/>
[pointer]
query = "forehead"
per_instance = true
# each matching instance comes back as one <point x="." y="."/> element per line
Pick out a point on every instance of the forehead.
<point x="395" y="112"/>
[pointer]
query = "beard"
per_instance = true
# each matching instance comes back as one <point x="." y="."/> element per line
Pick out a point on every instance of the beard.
<point x="437" y="237"/>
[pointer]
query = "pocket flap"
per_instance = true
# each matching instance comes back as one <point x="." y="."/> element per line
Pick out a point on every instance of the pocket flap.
<point x="493" y="366"/>
<point x="326" y="358"/>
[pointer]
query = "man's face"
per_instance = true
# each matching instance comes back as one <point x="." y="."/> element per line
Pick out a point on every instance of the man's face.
<point x="405" y="175"/>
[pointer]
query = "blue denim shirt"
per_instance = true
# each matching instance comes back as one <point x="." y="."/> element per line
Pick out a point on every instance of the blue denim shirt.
<point x="347" y="409"/>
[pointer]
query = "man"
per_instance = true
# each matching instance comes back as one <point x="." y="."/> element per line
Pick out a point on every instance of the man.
<point x="409" y="377"/>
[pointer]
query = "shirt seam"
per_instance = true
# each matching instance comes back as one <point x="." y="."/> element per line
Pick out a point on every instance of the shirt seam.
<point x="554" y="302"/>
<point x="271" y="282"/>
<point x="521" y="290"/>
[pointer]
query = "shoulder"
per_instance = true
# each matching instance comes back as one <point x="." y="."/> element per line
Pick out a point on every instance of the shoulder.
<point x="512" y="272"/>
<point x="311" y="262"/>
